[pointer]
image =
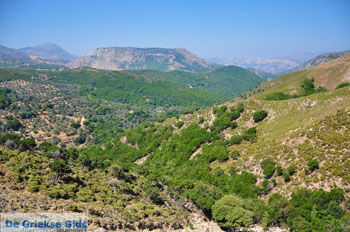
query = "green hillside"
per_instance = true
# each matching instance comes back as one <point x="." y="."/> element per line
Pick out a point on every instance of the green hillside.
<point x="229" y="81"/>
<point x="252" y="163"/>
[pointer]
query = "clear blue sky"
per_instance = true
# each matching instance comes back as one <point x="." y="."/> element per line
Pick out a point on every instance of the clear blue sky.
<point x="209" y="28"/>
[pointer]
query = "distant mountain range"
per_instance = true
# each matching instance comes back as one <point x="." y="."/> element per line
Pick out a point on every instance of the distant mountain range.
<point x="51" y="56"/>
<point x="46" y="53"/>
<point x="273" y="66"/>
<point x="323" y="58"/>
<point x="162" y="59"/>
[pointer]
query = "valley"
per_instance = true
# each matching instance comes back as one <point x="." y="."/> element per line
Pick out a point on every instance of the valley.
<point x="217" y="150"/>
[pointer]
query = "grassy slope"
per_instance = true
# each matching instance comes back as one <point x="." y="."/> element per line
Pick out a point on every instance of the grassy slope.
<point x="328" y="75"/>
<point x="286" y="135"/>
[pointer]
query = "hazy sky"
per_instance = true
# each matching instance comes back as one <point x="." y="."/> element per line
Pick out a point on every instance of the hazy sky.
<point x="209" y="28"/>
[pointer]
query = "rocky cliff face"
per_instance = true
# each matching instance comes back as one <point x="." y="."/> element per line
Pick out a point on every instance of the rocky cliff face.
<point x="164" y="59"/>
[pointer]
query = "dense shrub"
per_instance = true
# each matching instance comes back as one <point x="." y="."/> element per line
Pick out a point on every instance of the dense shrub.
<point x="4" y="100"/>
<point x="204" y="195"/>
<point x="13" y="125"/>
<point x="313" y="165"/>
<point x="279" y="170"/>
<point x="259" y="115"/>
<point x="229" y="212"/>
<point x="75" y="125"/>
<point x="60" y="167"/>
<point x="279" y="96"/>
<point x="268" y="166"/>
<point x="179" y="124"/>
<point x="291" y="170"/>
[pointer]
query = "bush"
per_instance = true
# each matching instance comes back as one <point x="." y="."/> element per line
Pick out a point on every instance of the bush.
<point x="291" y="170"/>
<point x="4" y="100"/>
<point x="258" y="116"/>
<point x="277" y="209"/>
<point x="279" y="170"/>
<point x="154" y="194"/>
<point x="179" y="124"/>
<point x="277" y="96"/>
<point x="229" y="212"/>
<point x="313" y="165"/>
<point x="236" y="139"/>
<point x="60" y="167"/>
<point x="201" y="120"/>
<point x="286" y="177"/>
<point x="204" y="195"/>
<point x="80" y="139"/>
<point x="219" y="110"/>
<point x="13" y="125"/>
<point x="268" y="166"/>
<point x="75" y="125"/>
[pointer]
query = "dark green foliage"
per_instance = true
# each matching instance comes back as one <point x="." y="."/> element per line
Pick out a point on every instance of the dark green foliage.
<point x="244" y="185"/>
<point x="27" y="115"/>
<point x="60" y="167"/>
<point x="14" y="125"/>
<point x="250" y="134"/>
<point x="200" y="120"/>
<point x="279" y="96"/>
<point x="308" y="86"/>
<point x="117" y="171"/>
<point x="265" y="186"/>
<point x="219" y="110"/>
<point x="268" y="166"/>
<point x="313" y="165"/>
<point x="279" y="170"/>
<point x="8" y="136"/>
<point x="278" y="210"/>
<point x="236" y="139"/>
<point x="319" y="210"/>
<point x="259" y="115"/>
<point x="286" y="177"/>
<point x="80" y="139"/>
<point x="342" y="85"/>
<point x="4" y="99"/>
<point x="221" y="122"/>
<point x="154" y="194"/>
<point x="179" y="124"/>
<point x="204" y="195"/>
<point x="75" y="125"/>
<point x="291" y="170"/>
<point x="258" y="207"/>
<point x="28" y="143"/>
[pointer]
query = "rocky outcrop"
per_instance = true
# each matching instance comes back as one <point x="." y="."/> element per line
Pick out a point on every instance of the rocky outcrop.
<point x="163" y="59"/>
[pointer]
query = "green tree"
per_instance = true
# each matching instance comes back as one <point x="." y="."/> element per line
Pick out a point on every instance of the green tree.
<point x="229" y="212"/>
<point x="60" y="167"/>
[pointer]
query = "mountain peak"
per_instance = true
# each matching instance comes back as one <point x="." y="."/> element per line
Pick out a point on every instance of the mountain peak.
<point x="48" y="45"/>
<point x="50" y="51"/>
